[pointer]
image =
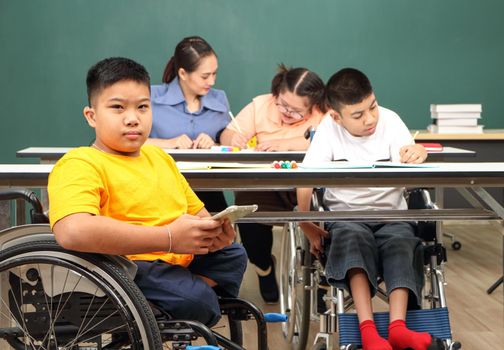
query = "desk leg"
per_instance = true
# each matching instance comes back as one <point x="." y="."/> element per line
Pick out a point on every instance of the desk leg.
<point x="439" y="199"/>
<point x="499" y="210"/>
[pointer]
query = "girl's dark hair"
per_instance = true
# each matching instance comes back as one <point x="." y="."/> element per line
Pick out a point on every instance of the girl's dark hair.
<point x="112" y="70"/>
<point x="302" y="82"/>
<point x="188" y="54"/>
<point x="347" y="87"/>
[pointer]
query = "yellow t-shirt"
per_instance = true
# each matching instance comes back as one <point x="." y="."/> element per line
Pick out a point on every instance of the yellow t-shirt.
<point x="145" y="190"/>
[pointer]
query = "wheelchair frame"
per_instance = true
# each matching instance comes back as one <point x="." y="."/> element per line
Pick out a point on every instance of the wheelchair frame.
<point x="299" y="284"/>
<point x="52" y="298"/>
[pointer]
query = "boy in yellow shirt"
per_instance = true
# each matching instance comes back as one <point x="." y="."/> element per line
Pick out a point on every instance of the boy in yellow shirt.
<point x="120" y="196"/>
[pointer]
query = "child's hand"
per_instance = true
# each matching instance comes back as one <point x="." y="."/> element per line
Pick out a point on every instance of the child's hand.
<point x="239" y="140"/>
<point x="413" y="154"/>
<point x="193" y="234"/>
<point x="203" y="141"/>
<point x="183" y="142"/>
<point x="225" y="238"/>
<point x="315" y="235"/>
<point x="271" y="146"/>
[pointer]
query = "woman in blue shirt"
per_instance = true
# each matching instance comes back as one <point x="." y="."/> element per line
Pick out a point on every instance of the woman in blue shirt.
<point x="187" y="112"/>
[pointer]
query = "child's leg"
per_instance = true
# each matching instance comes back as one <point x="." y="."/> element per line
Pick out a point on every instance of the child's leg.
<point x="224" y="267"/>
<point x="397" y="251"/>
<point x="352" y="259"/>
<point x="398" y="302"/>
<point x="177" y="291"/>
<point x="361" y="295"/>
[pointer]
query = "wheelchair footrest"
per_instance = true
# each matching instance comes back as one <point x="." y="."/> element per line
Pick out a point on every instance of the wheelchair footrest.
<point x="436" y="322"/>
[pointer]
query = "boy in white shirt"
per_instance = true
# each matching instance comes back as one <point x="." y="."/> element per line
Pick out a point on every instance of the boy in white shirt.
<point x="361" y="131"/>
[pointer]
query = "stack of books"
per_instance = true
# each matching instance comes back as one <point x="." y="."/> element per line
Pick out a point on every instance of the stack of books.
<point x="455" y="119"/>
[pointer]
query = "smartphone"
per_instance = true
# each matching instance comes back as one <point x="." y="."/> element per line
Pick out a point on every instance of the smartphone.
<point x="234" y="212"/>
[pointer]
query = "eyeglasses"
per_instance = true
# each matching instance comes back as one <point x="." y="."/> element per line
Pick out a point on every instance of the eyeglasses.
<point x="293" y="114"/>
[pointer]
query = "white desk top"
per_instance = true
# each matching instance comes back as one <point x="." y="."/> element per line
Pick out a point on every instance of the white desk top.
<point x="439" y="175"/>
<point x="51" y="154"/>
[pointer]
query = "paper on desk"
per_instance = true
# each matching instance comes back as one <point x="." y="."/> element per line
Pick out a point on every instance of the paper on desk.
<point x="362" y="165"/>
<point x="220" y="165"/>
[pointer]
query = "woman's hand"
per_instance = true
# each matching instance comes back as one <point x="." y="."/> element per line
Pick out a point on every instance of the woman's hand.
<point x="183" y="142"/>
<point x="203" y="141"/>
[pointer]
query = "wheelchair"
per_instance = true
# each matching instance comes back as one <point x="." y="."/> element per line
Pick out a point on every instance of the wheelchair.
<point x="304" y="291"/>
<point x="52" y="298"/>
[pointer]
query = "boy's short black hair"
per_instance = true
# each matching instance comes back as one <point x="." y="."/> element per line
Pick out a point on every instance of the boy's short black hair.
<point x="347" y="87"/>
<point x="112" y="70"/>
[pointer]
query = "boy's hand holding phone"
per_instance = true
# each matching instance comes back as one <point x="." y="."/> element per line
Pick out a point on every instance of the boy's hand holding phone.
<point x="224" y="239"/>
<point x="234" y="212"/>
<point x="228" y="216"/>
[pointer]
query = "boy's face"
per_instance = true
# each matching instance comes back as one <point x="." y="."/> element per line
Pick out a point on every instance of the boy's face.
<point x="121" y="116"/>
<point x="203" y="78"/>
<point x="359" y="119"/>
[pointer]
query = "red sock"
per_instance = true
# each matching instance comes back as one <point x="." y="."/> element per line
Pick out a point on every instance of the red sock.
<point x="401" y="337"/>
<point x="371" y="340"/>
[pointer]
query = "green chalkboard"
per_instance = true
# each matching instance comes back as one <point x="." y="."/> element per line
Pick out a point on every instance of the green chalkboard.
<point x="415" y="52"/>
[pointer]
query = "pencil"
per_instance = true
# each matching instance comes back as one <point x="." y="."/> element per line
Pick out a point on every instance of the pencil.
<point x="415" y="135"/>
<point x="235" y="123"/>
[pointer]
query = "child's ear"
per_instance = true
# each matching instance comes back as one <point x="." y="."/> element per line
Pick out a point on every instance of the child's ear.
<point x="89" y="114"/>
<point x="335" y="115"/>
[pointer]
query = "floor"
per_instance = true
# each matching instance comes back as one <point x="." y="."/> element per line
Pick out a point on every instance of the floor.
<point x="477" y="318"/>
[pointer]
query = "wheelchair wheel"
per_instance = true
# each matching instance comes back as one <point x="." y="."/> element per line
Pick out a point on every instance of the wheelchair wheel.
<point x="55" y="299"/>
<point x="294" y="278"/>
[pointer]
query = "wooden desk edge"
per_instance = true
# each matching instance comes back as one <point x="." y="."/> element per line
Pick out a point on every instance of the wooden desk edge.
<point x="490" y="134"/>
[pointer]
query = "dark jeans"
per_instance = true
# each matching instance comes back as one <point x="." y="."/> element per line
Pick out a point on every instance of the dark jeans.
<point x="389" y="250"/>
<point x="180" y="292"/>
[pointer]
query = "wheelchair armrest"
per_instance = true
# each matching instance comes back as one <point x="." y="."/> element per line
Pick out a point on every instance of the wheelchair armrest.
<point x="317" y="199"/>
<point x="37" y="211"/>
<point x="419" y="198"/>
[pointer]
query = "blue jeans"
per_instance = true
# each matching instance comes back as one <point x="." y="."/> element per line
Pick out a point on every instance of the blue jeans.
<point x="389" y="250"/>
<point x="180" y="292"/>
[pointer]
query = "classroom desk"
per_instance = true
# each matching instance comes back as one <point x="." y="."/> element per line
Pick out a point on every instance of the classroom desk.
<point x="440" y="175"/>
<point x="488" y="147"/>
<point x="487" y="135"/>
<point x="52" y="154"/>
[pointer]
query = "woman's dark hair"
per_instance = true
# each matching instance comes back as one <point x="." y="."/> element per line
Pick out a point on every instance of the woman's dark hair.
<point x="302" y="82"/>
<point x="347" y="87"/>
<point x="188" y="54"/>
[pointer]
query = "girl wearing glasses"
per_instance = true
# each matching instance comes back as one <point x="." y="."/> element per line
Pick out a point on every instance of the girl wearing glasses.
<point x="278" y="120"/>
